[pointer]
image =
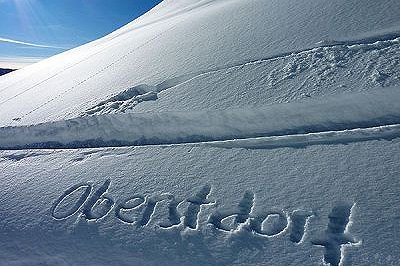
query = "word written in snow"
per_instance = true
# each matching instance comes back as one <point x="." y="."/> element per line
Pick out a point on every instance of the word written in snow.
<point x="97" y="205"/>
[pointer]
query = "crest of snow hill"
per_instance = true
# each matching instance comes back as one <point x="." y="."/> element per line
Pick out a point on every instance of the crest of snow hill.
<point x="210" y="132"/>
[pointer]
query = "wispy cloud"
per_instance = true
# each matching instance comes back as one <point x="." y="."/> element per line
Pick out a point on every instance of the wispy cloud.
<point x="30" y="44"/>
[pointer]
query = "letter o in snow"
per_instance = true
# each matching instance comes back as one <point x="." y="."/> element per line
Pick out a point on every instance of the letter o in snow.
<point x="270" y="224"/>
<point x="68" y="194"/>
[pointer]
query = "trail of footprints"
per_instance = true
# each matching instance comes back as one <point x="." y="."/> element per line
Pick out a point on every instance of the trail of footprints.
<point x="138" y="210"/>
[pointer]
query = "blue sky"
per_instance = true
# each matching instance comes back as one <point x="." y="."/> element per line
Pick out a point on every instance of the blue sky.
<point x="34" y="29"/>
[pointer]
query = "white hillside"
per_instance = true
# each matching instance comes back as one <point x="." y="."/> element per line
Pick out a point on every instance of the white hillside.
<point x="247" y="52"/>
<point x="214" y="132"/>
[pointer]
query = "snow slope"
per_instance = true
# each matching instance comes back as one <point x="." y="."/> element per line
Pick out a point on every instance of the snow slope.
<point x="188" y="38"/>
<point x="213" y="132"/>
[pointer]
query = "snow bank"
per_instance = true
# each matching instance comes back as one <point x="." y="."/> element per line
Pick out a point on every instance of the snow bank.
<point x="343" y="112"/>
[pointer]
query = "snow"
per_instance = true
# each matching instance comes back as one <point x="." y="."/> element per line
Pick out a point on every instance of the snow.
<point x="214" y="132"/>
<point x="344" y="112"/>
<point x="311" y="180"/>
<point x="192" y="37"/>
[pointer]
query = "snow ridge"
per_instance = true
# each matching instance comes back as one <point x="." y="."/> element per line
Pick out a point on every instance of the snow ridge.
<point x="342" y="112"/>
<point x="387" y="132"/>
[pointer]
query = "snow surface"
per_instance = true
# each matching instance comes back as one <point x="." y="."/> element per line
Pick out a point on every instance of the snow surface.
<point x="214" y="132"/>
<point x="344" y="112"/>
<point x="187" y="38"/>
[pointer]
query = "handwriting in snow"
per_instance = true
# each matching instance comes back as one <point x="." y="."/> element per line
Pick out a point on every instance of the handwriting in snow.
<point x="97" y="204"/>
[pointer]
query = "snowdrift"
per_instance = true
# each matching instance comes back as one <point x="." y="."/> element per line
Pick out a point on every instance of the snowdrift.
<point x="343" y="112"/>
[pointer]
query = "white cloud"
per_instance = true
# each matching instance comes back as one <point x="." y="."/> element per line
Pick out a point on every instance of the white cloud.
<point x="29" y="44"/>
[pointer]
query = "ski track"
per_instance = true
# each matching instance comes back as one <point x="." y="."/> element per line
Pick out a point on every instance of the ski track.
<point x="157" y="36"/>
<point x="386" y="132"/>
<point x="115" y="104"/>
<point x="129" y="98"/>
<point x="331" y="120"/>
<point x="105" y="49"/>
<point x="87" y="78"/>
<point x="84" y="80"/>
<point x="301" y="136"/>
